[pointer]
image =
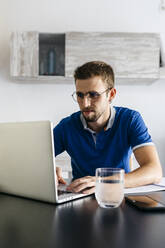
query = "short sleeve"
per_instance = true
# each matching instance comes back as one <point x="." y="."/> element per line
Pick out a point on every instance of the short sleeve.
<point x="138" y="132"/>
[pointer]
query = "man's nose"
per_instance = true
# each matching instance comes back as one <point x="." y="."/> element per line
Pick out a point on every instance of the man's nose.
<point x="86" y="101"/>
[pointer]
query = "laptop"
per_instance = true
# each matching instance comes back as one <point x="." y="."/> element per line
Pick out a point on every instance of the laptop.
<point x="27" y="162"/>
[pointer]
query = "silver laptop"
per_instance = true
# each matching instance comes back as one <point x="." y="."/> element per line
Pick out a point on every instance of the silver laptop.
<point x="27" y="162"/>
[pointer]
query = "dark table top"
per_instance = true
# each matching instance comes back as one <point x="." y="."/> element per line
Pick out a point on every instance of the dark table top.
<point x="80" y="223"/>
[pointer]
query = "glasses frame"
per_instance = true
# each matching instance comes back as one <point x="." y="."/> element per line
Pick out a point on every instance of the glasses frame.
<point x="74" y="95"/>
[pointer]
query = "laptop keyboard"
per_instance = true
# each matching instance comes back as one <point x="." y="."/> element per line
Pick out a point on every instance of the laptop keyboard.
<point x="65" y="195"/>
<point x="63" y="192"/>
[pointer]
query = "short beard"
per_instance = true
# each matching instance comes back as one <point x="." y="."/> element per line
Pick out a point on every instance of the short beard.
<point x="92" y="119"/>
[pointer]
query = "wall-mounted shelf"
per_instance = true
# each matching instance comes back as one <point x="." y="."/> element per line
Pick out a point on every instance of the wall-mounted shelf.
<point x="135" y="57"/>
<point x="37" y="55"/>
<point x="162" y="72"/>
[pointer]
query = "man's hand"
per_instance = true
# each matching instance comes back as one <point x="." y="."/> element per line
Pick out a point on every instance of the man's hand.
<point x="59" y="176"/>
<point x="85" y="185"/>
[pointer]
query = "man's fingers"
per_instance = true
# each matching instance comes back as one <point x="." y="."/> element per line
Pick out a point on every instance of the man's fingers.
<point x="61" y="180"/>
<point x="82" y="180"/>
<point x="81" y="187"/>
<point x="59" y="175"/>
<point x="89" y="191"/>
<point x="82" y="184"/>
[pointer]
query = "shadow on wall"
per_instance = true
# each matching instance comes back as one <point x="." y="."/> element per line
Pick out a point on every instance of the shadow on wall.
<point x="5" y="60"/>
<point x="160" y="146"/>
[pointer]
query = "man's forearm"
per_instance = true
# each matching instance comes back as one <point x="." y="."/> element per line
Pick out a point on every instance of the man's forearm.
<point x="146" y="174"/>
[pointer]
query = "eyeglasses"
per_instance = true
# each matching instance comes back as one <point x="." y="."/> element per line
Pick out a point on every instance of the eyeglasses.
<point x="92" y="95"/>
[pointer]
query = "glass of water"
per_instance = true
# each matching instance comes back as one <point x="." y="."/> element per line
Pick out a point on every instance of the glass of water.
<point x="109" y="191"/>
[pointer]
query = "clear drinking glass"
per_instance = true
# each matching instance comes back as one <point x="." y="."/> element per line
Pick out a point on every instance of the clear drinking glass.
<point x="109" y="191"/>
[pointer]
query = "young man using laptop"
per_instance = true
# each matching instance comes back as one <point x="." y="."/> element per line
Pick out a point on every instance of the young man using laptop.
<point x="100" y="135"/>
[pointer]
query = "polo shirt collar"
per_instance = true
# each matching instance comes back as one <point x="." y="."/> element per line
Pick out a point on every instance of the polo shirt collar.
<point x="110" y="121"/>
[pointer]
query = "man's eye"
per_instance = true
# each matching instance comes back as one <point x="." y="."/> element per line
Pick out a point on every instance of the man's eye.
<point x="93" y="94"/>
<point x="79" y="94"/>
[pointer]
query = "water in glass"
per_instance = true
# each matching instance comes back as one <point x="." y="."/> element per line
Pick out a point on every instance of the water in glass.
<point x="109" y="190"/>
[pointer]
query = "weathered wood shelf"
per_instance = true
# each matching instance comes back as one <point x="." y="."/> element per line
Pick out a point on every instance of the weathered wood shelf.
<point x="135" y="57"/>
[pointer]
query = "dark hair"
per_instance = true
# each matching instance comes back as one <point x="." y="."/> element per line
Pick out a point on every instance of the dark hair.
<point x="95" y="68"/>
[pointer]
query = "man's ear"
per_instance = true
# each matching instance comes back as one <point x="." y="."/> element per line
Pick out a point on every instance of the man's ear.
<point x="112" y="94"/>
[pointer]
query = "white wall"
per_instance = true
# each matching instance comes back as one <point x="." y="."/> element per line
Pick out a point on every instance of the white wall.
<point x="44" y="100"/>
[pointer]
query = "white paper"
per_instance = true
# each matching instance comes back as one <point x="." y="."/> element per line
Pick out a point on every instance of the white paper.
<point x="147" y="188"/>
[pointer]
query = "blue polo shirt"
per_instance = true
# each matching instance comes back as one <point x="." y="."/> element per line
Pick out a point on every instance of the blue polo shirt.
<point x="111" y="147"/>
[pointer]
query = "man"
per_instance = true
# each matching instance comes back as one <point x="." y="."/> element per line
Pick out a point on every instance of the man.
<point x="100" y="135"/>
